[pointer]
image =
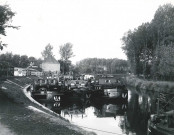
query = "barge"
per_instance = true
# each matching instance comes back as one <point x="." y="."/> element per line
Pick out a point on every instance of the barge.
<point x="109" y="88"/>
<point x="47" y="89"/>
<point x="162" y="124"/>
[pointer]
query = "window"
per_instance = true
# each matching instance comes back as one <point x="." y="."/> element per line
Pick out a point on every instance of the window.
<point x="107" y="81"/>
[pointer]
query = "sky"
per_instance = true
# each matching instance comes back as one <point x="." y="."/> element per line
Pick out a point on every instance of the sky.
<point x="94" y="27"/>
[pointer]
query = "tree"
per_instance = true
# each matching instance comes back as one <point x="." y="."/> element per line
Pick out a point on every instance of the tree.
<point x="166" y="63"/>
<point x="7" y="57"/>
<point x="24" y="62"/>
<point x="32" y="60"/>
<point x="66" y="53"/>
<point x="163" y="31"/>
<point x="101" y="66"/>
<point x="47" y="53"/>
<point x="16" y="60"/>
<point x="19" y="61"/>
<point x="150" y="46"/>
<point x="5" y="17"/>
<point x="38" y="62"/>
<point x="132" y="49"/>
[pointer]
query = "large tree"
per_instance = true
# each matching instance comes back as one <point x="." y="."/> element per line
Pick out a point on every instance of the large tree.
<point x="5" y="21"/>
<point x="16" y="60"/>
<point x="24" y="62"/>
<point x="149" y="47"/>
<point x="47" y="53"/>
<point x="66" y="53"/>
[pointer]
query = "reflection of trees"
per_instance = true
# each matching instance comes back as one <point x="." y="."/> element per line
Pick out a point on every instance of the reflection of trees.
<point x="124" y="124"/>
<point x="153" y="98"/>
<point x="137" y="116"/>
<point x="144" y="105"/>
<point x="76" y="109"/>
<point x="113" y="110"/>
<point x="140" y="106"/>
<point x="110" y="109"/>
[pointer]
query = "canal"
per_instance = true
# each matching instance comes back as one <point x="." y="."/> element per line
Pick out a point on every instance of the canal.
<point x="102" y="117"/>
<point x="110" y="117"/>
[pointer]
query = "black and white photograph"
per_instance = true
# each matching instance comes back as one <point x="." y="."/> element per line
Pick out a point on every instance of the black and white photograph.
<point x="86" y="67"/>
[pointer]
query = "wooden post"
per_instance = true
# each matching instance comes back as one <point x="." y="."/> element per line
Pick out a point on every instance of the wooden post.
<point x="158" y="103"/>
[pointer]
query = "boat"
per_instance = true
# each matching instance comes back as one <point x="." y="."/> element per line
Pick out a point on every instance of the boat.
<point x="46" y="89"/>
<point x="80" y="87"/>
<point x="161" y="124"/>
<point x="109" y="88"/>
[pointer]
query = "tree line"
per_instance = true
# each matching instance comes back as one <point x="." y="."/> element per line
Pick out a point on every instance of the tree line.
<point x="22" y="61"/>
<point x="102" y="66"/>
<point x="150" y="47"/>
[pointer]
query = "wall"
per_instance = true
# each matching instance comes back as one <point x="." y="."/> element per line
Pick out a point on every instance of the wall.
<point x="50" y="67"/>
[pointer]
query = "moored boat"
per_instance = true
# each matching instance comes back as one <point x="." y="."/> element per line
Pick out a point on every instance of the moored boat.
<point x="162" y="124"/>
<point x="109" y="88"/>
<point x="47" y="89"/>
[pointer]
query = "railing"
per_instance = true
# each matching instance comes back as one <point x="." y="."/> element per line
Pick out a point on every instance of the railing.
<point x="164" y="99"/>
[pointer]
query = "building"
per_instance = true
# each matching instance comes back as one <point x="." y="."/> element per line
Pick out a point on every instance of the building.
<point x="34" y="70"/>
<point x="20" y="71"/>
<point x="51" y="65"/>
<point x="86" y="77"/>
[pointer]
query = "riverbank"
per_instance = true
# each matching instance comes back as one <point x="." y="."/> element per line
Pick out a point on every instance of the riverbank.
<point x="24" y="117"/>
<point x="159" y="86"/>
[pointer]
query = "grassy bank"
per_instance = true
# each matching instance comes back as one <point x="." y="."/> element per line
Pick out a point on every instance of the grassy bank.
<point x="160" y="86"/>
<point x="24" y="117"/>
<point x="13" y="87"/>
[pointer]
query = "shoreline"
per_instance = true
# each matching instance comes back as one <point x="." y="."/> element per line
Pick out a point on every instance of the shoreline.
<point x="155" y="86"/>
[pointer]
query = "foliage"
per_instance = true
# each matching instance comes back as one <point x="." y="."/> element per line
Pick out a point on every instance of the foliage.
<point x="166" y="63"/>
<point x="19" y="61"/>
<point x="102" y="66"/>
<point x="65" y="66"/>
<point x="47" y="53"/>
<point x="5" y="19"/>
<point x="16" y="60"/>
<point x="150" y="47"/>
<point x="66" y="51"/>
<point x="24" y="62"/>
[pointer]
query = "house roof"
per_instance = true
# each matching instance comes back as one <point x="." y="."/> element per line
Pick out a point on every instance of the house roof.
<point x="35" y="69"/>
<point x="50" y="59"/>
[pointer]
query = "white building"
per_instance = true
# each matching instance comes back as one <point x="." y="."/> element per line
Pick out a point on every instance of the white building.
<point x="20" y="71"/>
<point x="86" y="77"/>
<point x="51" y="65"/>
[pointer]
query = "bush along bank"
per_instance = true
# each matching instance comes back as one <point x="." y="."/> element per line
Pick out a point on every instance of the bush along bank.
<point x="159" y="86"/>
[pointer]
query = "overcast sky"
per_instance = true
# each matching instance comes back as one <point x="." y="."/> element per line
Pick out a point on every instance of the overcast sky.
<point x="94" y="27"/>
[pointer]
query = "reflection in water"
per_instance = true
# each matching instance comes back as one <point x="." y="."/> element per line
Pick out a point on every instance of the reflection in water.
<point x="137" y="114"/>
<point x="102" y="117"/>
<point x="107" y="117"/>
<point x="96" y="118"/>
